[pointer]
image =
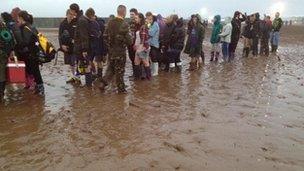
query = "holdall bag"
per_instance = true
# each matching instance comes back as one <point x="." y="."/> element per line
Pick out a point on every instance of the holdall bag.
<point x="16" y="72"/>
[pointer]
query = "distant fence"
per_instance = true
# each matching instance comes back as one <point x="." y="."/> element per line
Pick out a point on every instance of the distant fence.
<point x="49" y="22"/>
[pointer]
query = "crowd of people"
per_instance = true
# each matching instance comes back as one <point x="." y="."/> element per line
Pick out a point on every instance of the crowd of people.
<point x="151" y="42"/>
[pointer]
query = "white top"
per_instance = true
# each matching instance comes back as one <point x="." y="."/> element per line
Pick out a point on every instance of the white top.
<point x="137" y="40"/>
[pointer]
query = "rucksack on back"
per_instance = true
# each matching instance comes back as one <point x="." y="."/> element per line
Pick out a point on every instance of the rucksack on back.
<point x="47" y="51"/>
<point x="7" y="42"/>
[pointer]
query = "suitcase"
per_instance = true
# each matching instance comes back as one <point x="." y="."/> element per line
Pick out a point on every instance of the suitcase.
<point x="16" y="72"/>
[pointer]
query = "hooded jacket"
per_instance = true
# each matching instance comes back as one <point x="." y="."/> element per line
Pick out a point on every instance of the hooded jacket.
<point x="200" y="31"/>
<point x="216" y="30"/>
<point x="178" y="36"/>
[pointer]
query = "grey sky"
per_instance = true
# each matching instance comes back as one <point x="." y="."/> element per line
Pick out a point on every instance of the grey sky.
<point x="208" y="8"/>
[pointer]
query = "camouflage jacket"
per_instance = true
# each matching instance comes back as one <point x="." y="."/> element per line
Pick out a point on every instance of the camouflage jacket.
<point x="117" y="37"/>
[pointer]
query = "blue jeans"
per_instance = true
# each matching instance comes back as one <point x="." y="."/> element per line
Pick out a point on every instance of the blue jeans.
<point x="225" y="50"/>
<point x="275" y="38"/>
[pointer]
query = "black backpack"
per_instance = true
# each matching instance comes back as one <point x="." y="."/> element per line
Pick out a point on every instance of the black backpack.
<point x="7" y="41"/>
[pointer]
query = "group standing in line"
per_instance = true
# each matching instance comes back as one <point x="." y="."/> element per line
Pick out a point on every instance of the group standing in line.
<point x="153" y="43"/>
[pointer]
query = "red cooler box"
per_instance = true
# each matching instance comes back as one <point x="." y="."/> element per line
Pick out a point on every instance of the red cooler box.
<point x="16" y="72"/>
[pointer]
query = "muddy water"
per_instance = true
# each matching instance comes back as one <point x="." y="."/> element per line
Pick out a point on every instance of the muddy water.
<point x="247" y="115"/>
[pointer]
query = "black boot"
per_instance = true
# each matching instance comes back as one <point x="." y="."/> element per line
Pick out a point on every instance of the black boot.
<point x="99" y="73"/>
<point x="275" y="49"/>
<point x="272" y="48"/>
<point x="88" y="79"/>
<point x="148" y="72"/>
<point x="2" y="89"/>
<point x="212" y="56"/>
<point x="246" y="51"/>
<point x="217" y="55"/>
<point x="103" y="85"/>
<point x="137" y="72"/>
<point x="40" y="89"/>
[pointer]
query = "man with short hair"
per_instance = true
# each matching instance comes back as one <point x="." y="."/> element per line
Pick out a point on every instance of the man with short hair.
<point x="117" y="36"/>
<point x="275" y="34"/>
<point x="66" y="42"/>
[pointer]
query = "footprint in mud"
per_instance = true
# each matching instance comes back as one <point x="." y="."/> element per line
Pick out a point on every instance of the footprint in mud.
<point x="176" y="147"/>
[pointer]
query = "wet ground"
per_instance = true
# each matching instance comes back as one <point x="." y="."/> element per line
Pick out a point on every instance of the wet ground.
<point x="245" y="115"/>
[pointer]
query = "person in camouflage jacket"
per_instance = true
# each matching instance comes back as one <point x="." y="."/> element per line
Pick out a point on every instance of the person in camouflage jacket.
<point x="118" y="38"/>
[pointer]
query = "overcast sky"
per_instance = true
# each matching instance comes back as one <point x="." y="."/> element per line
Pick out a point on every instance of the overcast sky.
<point x="184" y="8"/>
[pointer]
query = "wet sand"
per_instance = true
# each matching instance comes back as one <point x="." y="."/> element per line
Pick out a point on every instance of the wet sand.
<point x="245" y="115"/>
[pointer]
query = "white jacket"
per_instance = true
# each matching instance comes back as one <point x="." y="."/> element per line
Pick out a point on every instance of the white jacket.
<point x="226" y="33"/>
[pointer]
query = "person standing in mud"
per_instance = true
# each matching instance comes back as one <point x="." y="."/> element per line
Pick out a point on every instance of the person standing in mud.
<point x="66" y="42"/>
<point x="275" y="34"/>
<point x="6" y="48"/>
<point x="153" y="32"/>
<point x="265" y="29"/>
<point x="133" y="27"/>
<point x="97" y="50"/>
<point x="30" y="49"/>
<point x="226" y="39"/>
<point x="141" y="47"/>
<point x="194" y="42"/>
<point x="255" y="35"/>
<point x="176" y="46"/>
<point x="118" y="38"/>
<point x="81" y="43"/>
<point x="236" y="22"/>
<point x="247" y="35"/>
<point x="215" y="38"/>
<point x="166" y="39"/>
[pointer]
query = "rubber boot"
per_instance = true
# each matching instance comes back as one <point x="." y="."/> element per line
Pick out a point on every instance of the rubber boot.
<point x="275" y="49"/>
<point x="272" y="48"/>
<point x="103" y="85"/>
<point x="203" y="57"/>
<point x="155" y="69"/>
<point x="171" y="67"/>
<point x="179" y="67"/>
<point x="88" y="79"/>
<point x="148" y="73"/>
<point x="217" y="55"/>
<point x="212" y="56"/>
<point x="40" y="89"/>
<point x="193" y="66"/>
<point x="2" y="89"/>
<point x="137" y="72"/>
<point x="99" y="73"/>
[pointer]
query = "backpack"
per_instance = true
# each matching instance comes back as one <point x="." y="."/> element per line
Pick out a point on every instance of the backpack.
<point x="7" y="41"/>
<point x="47" y="51"/>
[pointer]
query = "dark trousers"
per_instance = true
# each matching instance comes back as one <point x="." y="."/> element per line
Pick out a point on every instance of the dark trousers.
<point x="255" y="46"/>
<point x="232" y="47"/>
<point x="32" y="68"/>
<point x="174" y="56"/>
<point x="131" y="52"/>
<point x="264" y="49"/>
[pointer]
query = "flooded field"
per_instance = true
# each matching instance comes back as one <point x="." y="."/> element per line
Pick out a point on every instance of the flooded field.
<point x="245" y="115"/>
